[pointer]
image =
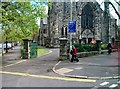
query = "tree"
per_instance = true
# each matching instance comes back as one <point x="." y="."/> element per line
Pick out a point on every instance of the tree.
<point x="19" y="20"/>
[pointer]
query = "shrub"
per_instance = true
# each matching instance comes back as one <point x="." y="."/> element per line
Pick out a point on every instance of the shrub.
<point x="79" y="47"/>
<point x="103" y="46"/>
<point x="85" y="47"/>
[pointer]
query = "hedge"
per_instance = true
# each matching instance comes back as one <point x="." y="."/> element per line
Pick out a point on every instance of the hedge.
<point x="86" y="54"/>
<point x="85" y="47"/>
<point x="104" y="46"/>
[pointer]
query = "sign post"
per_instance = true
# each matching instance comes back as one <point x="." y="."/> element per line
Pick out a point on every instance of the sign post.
<point x="72" y="26"/>
<point x="71" y="29"/>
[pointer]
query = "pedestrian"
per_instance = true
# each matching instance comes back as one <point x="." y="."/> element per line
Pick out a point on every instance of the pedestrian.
<point x="109" y="47"/>
<point x="71" y="52"/>
<point x="74" y="54"/>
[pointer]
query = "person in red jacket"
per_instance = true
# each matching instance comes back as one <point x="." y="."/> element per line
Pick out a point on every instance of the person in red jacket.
<point x="74" y="54"/>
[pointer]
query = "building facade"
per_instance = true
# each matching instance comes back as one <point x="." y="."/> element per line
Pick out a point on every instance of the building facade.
<point x="119" y="13"/>
<point x="90" y="23"/>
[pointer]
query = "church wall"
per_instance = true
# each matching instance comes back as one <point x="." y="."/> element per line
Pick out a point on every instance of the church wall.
<point x="59" y="17"/>
<point x="112" y="29"/>
<point x="97" y="18"/>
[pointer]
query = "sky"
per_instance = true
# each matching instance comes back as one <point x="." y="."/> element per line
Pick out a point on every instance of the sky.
<point x="112" y="11"/>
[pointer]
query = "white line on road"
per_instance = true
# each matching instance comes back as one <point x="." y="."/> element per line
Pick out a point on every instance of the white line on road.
<point x="79" y="68"/>
<point x="14" y="63"/>
<point x="118" y="82"/>
<point x="113" y="86"/>
<point x="95" y="87"/>
<point x="104" y="83"/>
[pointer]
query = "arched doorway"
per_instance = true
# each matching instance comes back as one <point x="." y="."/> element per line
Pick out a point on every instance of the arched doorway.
<point x="87" y="23"/>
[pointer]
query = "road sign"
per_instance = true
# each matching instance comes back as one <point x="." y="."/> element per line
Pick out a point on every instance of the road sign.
<point x="72" y="26"/>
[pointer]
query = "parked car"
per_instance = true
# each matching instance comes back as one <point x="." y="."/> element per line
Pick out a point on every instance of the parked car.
<point x="9" y="46"/>
<point x="1" y="48"/>
<point x="0" y="45"/>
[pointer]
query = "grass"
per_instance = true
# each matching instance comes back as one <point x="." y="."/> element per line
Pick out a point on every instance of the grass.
<point x="41" y="51"/>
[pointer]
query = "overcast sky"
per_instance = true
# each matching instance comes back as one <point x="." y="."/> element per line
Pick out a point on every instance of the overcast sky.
<point x="112" y="11"/>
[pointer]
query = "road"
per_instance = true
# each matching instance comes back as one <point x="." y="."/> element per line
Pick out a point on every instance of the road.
<point x="38" y="73"/>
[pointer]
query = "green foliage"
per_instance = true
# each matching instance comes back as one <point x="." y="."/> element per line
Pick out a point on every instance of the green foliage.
<point x="104" y="46"/>
<point x="85" y="47"/>
<point x="41" y="51"/>
<point x="79" y="47"/>
<point x="19" y="20"/>
<point x="89" y="47"/>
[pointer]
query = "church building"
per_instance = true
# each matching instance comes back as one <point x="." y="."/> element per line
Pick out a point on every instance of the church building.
<point x="90" y="23"/>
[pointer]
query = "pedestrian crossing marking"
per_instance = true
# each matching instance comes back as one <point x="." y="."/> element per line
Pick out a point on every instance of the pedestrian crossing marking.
<point x="47" y="77"/>
<point x="113" y="86"/>
<point x="78" y="62"/>
<point x="104" y="83"/>
<point x="64" y="70"/>
<point x="79" y="68"/>
<point x="118" y="82"/>
<point x="14" y="64"/>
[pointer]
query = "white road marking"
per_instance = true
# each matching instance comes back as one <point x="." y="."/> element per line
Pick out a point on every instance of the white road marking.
<point x="64" y="70"/>
<point x="113" y="86"/>
<point x="79" y="68"/>
<point x="118" y="82"/>
<point x="78" y="62"/>
<point x="95" y="87"/>
<point x="104" y="83"/>
<point x="14" y="63"/>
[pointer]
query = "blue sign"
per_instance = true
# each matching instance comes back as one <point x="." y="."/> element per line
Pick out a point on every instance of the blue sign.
<point x="72" y="26"/>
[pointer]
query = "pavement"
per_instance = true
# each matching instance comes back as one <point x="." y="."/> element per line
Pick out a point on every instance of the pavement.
<point x="95" y="67"/>
<point x="12" y="56"/>
<point x="0" y="59"/>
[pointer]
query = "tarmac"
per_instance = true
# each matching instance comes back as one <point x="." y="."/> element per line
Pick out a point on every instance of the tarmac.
<point x="95" y="67"/>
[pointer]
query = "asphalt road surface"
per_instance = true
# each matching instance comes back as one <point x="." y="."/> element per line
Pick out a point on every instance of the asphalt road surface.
<point x="38" y="73"/>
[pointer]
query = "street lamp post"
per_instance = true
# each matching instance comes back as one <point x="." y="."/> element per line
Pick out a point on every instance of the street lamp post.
<point x="70" y="39"/>
<point x="71" y="33"/>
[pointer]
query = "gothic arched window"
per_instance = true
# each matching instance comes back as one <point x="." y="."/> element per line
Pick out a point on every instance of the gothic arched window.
<point x="87" y="17"/>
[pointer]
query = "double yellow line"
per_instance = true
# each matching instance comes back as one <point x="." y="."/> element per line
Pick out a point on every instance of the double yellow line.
<point x="47" y="77"/>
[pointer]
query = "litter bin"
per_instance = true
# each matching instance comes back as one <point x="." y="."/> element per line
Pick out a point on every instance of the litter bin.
<point x="33" y="49"/>
<point x="21" y="52"/>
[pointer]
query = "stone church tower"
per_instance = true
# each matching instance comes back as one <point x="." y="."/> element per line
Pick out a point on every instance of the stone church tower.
<point x="89" y="19"/>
